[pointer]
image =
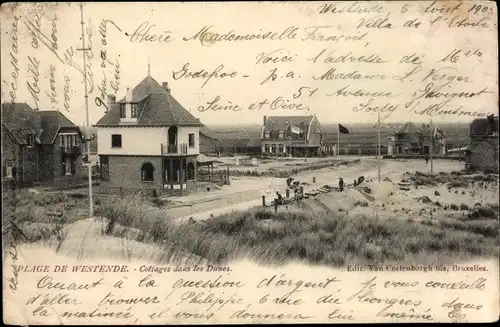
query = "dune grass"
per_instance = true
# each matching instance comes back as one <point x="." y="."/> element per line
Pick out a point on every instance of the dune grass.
<point x="455" y="179"/>
<point x="327" y="239"/>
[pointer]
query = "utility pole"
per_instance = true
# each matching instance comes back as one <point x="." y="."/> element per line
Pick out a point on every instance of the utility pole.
<point x="378" y="145"/>
<point x="88" y="163"/>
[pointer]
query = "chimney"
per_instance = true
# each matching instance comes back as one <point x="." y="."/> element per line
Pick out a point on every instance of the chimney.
<point x="129" y="95"/>
<point x="265" y="120"/>
<point x="165" y="86"/>
<point x="111" y="100"/>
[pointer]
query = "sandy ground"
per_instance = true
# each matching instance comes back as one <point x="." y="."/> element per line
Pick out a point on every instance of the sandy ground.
<point x="245" y="162"/>
<point x="246" y="192"/>
<point x="85" y="238"/>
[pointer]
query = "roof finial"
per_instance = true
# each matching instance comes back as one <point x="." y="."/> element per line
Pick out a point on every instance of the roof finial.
<point x="149" y="67"/>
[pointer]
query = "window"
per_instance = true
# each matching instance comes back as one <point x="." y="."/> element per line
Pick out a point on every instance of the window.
<point x="30" y="139"/>
<point x="281" y="135"/>
<point x="147" y="172"/>
<point x="122" y="110"/>
<point x="134" y="110"/>
<point x="191" y="140"/>
<point x="281" y="148"/>
<point x="266" y="148"/>
<point x="7" y="171"/>
<point x="266" y="135"/>
<point x="273" y="148"/>
<point x="104" y="168"/>
<point x="116" y="141"/>
<point x="67" y="140"/>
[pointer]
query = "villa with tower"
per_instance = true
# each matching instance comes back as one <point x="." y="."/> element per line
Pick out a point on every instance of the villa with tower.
<point x="148" y="142"/>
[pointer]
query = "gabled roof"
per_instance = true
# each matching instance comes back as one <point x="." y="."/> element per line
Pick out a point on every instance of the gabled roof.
<point x="156" y="106"/>
<point x="484" y="126"/>
<point x="21" y="120"/>
<point x="52" y="120"/>
<point x="408" y="128"/>
<point x="146" y="87"/>
<point x="425" y="130"/>
<point x="280" y="123"/>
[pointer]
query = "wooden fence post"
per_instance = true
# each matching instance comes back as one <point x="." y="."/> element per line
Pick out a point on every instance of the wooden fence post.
<point x="263" y="200"/>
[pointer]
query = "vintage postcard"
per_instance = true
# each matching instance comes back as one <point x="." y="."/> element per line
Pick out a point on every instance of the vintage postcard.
<point x="249" y="162"/>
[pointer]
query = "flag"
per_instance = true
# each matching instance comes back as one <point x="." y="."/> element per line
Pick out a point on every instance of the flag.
<point x="343" y="129"/>
<point x="296" y="130"/>
<point x="434" y="135"/>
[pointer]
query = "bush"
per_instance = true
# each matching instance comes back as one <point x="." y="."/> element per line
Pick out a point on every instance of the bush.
<point x="361" y="204"/>
<point x="489" y="211"/>
<point x="458" y="183"/>
<point x="463" y="206"/>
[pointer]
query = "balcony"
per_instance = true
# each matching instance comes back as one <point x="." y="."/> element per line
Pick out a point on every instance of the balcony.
<point x="71" y="150"/>
<point x="174" y="149"/>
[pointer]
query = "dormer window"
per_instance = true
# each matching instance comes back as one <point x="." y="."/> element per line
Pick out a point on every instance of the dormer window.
<point x="30" y="140"/>
<point x="134" y="110"/>
<point x="122" y="111"/>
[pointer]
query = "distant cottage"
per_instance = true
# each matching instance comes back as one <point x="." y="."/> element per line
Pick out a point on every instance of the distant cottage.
<point x="413" y="140"/>
<point x="148" y="142"/>
<point x="40" y="146"/>
<point x="482" y="152"/>
<point x="295" y="135"/>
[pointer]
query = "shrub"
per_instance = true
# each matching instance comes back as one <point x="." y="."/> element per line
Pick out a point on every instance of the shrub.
<point x="488" y="211"/>
<point x="361" y="204"/>
<point x="458" y="183"/>
<point x="463" y="206"/>
<point x="425" y="199"/>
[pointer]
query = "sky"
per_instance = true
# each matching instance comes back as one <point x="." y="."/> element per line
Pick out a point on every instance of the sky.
<point x="40" y="42"/>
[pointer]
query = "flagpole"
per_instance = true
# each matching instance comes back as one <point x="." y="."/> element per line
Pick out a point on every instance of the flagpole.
<point x="432" y="147"/>
<point x="338" y="140"/>
<point x="305" y="141"/>
<point x="378" y="144"/>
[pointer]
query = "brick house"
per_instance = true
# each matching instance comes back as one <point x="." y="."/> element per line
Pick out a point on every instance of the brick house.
<point x="148" y="143"/>
<point x="298" y="135"/>
<point x="40" y="146"/>
<point x="482" y="152"/>
<point x="413" y="140"/>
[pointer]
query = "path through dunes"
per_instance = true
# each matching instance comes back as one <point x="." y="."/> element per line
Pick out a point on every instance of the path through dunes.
<point x="246" y="192"/>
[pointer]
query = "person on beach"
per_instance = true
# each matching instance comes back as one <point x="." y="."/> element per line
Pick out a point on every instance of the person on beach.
<point x="341" y="184"/>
